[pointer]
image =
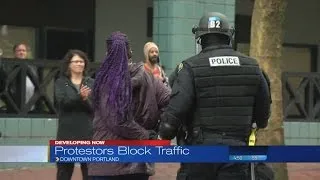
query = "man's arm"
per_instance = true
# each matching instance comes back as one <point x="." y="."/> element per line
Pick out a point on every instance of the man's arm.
<point x="261" y="111"/>
<point x="162" y="94"/>
<point x="127" y="128"/>
<point x="181" y="102"/>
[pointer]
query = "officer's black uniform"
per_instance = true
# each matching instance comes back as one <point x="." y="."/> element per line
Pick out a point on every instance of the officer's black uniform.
<point x="173" y="76"/>
<point x="226" y="92"/>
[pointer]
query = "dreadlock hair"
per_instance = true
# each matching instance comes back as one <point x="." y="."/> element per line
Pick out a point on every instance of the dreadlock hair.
<point x="112" y="92"/>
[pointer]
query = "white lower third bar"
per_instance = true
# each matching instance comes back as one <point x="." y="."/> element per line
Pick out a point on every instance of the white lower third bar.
<point x="23" y="154"/>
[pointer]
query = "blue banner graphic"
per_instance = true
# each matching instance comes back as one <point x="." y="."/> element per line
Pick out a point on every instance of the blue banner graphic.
<point x="104" y="154"/>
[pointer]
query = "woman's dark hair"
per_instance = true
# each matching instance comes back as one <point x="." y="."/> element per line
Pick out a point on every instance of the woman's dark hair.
<point x="67" y="60"/>
<point x="112" y="91"/>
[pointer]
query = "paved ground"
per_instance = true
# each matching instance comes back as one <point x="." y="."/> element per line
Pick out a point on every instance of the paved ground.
<point x="164" y="172"/>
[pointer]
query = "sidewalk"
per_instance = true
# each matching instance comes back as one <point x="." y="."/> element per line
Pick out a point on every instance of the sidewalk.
<point x="164" y="172"/>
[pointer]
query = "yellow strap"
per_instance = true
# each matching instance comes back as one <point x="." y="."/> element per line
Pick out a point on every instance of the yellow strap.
<point x="252" y="138"/>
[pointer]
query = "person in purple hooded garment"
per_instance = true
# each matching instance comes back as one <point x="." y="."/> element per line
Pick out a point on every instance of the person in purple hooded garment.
<point x="127" y="104"/>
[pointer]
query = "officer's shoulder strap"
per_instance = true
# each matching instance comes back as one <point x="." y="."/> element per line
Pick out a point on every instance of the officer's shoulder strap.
<point x="184" y="64"/>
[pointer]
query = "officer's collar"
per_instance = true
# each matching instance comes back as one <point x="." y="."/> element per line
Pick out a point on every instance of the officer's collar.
<point x="214" y="47"/>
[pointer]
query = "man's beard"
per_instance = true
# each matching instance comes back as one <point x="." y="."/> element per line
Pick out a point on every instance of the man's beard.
<point x="153" y="59"/>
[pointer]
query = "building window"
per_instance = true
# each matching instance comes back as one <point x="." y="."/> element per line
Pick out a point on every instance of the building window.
<point x="11" y="35"/>
<point x="59" y="41"/>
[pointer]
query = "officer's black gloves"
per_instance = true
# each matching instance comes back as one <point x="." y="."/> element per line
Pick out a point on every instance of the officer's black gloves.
<point x="167" y="131"/>
<point x="152" y="135"/>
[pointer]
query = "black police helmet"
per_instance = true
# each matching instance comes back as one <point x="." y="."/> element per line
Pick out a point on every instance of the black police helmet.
<point x="213" y="23"/>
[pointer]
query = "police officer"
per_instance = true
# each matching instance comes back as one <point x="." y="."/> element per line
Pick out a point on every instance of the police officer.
<point x="225" y="92"/>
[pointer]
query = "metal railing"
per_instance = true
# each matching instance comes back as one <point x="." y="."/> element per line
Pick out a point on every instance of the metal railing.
<point x="301" y="91"/>
<point x="14" y="86"/>
<point x="301" y="96"/>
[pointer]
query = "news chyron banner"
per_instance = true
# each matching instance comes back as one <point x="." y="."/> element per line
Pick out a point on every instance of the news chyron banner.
<point x="115" y="151"/>
<point x="154" y="151"/>
<point x="161" y="151"/>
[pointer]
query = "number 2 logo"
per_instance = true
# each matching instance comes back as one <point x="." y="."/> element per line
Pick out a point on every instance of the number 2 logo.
<point x="214" y="24"/>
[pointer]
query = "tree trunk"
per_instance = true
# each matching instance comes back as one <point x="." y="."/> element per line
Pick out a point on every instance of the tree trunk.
<point x="266" y="46"/>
